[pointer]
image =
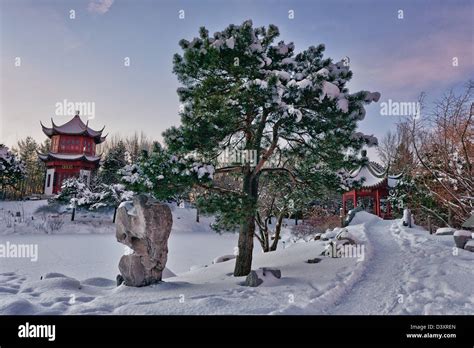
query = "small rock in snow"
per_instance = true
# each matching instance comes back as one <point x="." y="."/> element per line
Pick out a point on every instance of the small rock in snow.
<point x="443" y="231"/>
<point x="469" y="245"/>
<point x="461" y="237"/>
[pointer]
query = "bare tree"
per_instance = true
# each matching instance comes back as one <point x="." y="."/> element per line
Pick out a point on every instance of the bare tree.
<point x="443" y="145"/>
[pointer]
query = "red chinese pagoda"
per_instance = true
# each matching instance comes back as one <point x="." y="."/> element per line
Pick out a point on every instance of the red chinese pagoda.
<point x="372" y="194"/>
<point x="72" y="153"/>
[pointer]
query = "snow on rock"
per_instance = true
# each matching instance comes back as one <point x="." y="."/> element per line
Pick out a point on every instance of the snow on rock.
<point x="461" y="237"/>
<point x="345" y="234"/>
<point x="264" y="277"/>
<point x="464" y="233"/>
<point x="147" y="234"/>
<point x="469" y="245"/>
<point x="445" y="231"/>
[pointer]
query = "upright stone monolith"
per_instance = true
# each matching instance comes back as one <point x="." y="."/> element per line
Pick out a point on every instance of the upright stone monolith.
<point x="144" y="225"/>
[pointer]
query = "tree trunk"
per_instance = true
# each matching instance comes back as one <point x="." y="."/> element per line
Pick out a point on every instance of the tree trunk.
<point x="115" y="214"/>
<point x="243" y="263"/>
<point x="197" y="214"/>
<point x="277" y="232"/>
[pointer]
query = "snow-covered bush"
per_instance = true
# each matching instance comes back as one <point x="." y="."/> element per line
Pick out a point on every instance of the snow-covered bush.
<point x="12" y="169"/>
<point x="49" y="223"/>
<point x="78" y="194"/>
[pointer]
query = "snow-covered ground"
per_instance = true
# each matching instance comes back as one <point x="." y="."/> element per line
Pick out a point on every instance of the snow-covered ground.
<point x="403" y="271"/>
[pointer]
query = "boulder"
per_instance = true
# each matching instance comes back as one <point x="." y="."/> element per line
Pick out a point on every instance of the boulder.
<point x="275" y="272"/>
<point x="469" y="245"/>
<point x="461" y="237"/>
<point x="143" y="225"/>
<point x="262" y="275"/>
<point x="344" y="234"/>
<point x="445" y="231"/>
<point x="253" y="280"/>
<point x="119" y="279"/>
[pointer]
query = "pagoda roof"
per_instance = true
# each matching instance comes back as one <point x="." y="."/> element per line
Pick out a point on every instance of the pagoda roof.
<point x="373" y="175"/>
<point x="74" y="127"/>
<point x="68" y="157"/>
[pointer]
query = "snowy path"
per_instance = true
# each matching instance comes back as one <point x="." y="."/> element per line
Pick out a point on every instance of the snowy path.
<point x="409" y="272"/>
<point x="378" y="289"/>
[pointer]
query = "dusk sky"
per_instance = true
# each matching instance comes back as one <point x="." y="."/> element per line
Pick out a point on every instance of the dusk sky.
<point x="82" y="59"/>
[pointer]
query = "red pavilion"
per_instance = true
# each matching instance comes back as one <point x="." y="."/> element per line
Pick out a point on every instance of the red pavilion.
<point x="72" y="153"/>
<point x="373" y="191"/>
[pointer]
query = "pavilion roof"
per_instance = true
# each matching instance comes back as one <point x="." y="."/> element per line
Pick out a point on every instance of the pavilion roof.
<point x="68" y="157"/>
<point x="372" y="175"/>
<point x="75" y="126"/>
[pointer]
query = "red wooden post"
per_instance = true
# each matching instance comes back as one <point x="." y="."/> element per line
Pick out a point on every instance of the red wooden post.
<point x="355" y="198"/>
<point x="377" y="203"/>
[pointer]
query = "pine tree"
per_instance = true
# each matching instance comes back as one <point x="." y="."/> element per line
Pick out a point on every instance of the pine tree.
<point x="34" y="177"/>
<point x="115" y="159"/>
<point x="244" y="92"/>
<point x="12" y="170"/>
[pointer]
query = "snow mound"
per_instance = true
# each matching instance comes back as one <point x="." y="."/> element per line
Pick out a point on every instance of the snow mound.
<point x="363" y="217"/>
<point x="53" y="275"/>
<point x="16" y="306"/>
